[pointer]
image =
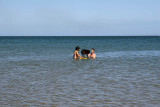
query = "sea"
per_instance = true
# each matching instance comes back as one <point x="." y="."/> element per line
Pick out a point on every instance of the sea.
<point x="39" y="71"/>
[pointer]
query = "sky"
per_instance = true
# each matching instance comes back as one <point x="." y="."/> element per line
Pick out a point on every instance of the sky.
<point x="79" y="17"/>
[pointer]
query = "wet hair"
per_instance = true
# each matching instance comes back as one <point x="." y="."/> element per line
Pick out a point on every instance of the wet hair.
<point x="77" y="47"/>
<point x="92" y="49"/>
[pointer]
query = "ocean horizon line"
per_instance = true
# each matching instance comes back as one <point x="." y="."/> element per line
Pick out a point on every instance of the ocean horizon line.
<point x="90" y="36"/>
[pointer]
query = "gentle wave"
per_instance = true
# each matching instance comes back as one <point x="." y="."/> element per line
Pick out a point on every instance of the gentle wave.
<point x="129" y="54"/>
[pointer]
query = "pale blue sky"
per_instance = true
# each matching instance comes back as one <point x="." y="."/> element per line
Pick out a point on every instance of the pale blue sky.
<point x="79" y="17"/>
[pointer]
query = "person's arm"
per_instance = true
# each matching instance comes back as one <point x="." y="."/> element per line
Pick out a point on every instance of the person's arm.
<point x="89" y="55"/>
<point x="94" y="56"/>
<point x="79" y="55"/>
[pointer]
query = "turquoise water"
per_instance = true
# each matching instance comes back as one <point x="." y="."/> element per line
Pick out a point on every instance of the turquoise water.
<point x="40" y="71"/>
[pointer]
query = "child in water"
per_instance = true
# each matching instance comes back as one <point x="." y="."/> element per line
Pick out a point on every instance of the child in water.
<point x="76" y="54"/>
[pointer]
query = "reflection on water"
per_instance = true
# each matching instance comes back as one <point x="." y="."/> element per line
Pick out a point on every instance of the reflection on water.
<point x="100" y="82"/>
<point x="130" y="54"/>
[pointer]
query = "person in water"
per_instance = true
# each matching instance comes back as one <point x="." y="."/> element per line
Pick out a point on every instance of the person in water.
<point x="92" y="55"/>
<point x="76" y="54"/>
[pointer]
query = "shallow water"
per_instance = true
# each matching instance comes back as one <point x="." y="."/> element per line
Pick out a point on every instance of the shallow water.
<point x="40" y="71"/>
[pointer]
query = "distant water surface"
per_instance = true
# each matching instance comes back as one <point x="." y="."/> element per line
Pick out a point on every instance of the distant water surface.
<point x="40" y="71"/>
